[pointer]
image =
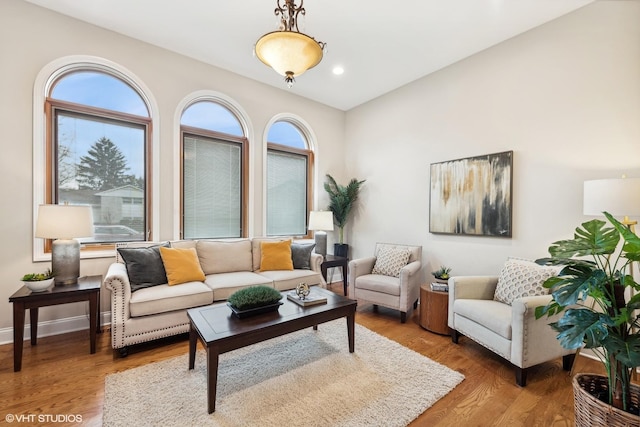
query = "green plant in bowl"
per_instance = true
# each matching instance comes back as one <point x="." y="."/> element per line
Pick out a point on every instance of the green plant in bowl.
<point x="37" y="277"/>
<point x="38" y="282"/>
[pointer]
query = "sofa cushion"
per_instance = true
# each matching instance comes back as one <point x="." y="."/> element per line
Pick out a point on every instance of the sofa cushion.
<point x="493" y="315"/>
<point x="379" y="283"/>
<point x="182" y="265"/>
<point x="224" y="285"/>
<point x="222" y="256"/>
<point x="390" y="261"/>
<point x="522" y="278"/>
<point x="289" y="279"/>
<point x="255" y="249"/>
<point x="301" y="255"/>
<point x="144" y="266"/>
<point x="165" y="298"/>
<point x="276" y="256"/>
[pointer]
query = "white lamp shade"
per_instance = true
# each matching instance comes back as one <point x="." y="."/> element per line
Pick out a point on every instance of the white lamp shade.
<point x="321" y="220"/>
<point x="619" y="197"/>
<point x="64" y="221"/>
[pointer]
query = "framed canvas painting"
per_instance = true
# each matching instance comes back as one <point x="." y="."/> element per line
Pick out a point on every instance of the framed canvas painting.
<point x="472" y="196"/>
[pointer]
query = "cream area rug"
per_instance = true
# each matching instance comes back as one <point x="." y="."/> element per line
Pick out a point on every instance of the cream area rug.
<point x="307" y="378"/>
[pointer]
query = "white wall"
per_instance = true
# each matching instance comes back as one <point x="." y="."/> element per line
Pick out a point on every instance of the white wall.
<point x="565" y="97"/>
<point x="32" y="37"/>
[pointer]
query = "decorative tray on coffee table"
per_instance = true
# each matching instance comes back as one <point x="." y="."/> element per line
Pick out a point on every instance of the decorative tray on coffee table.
<point x="241" y="314"/>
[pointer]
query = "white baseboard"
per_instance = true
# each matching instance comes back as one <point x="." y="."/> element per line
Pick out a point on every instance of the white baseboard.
<point x="55" y="327"/>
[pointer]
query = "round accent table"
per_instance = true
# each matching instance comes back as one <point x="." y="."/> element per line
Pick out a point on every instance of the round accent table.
<point x="434" y="310"/>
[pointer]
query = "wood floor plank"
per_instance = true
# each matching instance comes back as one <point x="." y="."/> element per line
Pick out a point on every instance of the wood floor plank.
<point x="59" y="376"/>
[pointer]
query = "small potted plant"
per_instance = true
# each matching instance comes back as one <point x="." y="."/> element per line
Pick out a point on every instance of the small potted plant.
<point x="38" y="282"/>
<point x="442" y="274"/>
<point x="599" y="299"/>
<point x="341" y="200"/>
<point x="254" y="300"/>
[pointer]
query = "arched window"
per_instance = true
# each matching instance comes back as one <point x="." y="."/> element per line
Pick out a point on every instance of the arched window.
<point x="288" y="177"/>
<point x="214" y="168"/>
<point x="98" y="151"/>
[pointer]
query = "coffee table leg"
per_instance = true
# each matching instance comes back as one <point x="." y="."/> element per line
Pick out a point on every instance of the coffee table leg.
<point x="351" y="322"/>
<point x="18" y="335"/>
<point x="212" y="377"/>
<point x="192" y="346"/>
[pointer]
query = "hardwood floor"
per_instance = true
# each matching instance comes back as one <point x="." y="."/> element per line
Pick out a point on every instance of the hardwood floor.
<point x="60" y="378"/>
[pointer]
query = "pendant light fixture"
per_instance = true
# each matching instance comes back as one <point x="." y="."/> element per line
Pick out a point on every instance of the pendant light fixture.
<point x="288" y="51"/>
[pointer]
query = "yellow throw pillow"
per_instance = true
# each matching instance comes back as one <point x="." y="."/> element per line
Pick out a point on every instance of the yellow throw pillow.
<point x="181" y="265"/>
<point x="275" y="256"/>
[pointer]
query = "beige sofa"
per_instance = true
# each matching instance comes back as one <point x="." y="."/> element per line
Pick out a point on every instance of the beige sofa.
<point x="159" y="311"/>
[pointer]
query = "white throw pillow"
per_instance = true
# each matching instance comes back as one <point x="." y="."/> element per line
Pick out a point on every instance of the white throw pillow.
<point x="521" y="278"/>
<point x="390" y="261"/>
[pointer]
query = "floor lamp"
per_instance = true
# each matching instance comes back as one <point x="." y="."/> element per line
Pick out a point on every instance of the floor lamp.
<point x="619" y="197"/>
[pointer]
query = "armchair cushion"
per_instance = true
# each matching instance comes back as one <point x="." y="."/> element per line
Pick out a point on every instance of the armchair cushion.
<point x="390" y="261"/>
<point x="493" y="315"/>
<point x="521" y="278"/>
<point x="380" y="283"/>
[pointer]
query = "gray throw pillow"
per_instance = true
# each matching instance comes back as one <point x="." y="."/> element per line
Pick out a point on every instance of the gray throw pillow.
<point x="301" y="255"/>
<point x="144" y="266"/>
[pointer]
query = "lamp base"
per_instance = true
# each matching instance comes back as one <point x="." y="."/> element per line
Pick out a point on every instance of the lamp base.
<point x="65" y="261"/>
<point x="321" y="242"/>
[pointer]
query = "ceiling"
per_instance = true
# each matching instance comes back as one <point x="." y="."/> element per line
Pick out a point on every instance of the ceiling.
<point x="380" y="45"/>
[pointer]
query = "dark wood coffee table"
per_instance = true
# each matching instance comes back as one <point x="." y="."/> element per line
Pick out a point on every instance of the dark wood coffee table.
<point x="220" y="331"/>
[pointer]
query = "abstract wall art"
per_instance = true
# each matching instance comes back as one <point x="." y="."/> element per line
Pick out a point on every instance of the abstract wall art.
<point x="472" y="196"/>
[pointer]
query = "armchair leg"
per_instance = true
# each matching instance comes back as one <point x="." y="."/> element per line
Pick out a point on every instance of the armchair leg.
<point x="521" y="376"/>
<point x="403" y="317"/>
<point x="567" y="361"/>
<point x="123" y="352"/>
<point x="454" y="335"/>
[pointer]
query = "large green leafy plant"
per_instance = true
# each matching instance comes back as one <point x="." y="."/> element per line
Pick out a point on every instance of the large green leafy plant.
<point x="594" y="290"/>
<point x="341" y="201"/>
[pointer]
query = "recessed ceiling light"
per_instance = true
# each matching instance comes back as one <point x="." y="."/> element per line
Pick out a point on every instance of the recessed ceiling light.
<point x="338" y="70"/>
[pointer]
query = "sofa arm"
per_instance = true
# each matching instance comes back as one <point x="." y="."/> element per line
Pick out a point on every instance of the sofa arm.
<point x="358" y="267"/>
<point x="410" y="280"/>
<point x="117" y="281"/>
<point x="533" y="340"/>
<point x="316" y="261"/>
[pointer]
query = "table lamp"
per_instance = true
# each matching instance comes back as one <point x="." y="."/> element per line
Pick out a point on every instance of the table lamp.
<point x="620" y="197"/>
<point x="320" y="222"/>
<point x="64" y="223"/>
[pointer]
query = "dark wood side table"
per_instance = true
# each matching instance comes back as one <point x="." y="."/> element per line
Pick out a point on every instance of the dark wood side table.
<point x="87" y="289"/>
<point x="331" y="261"/>
<point x="434" y="310"/>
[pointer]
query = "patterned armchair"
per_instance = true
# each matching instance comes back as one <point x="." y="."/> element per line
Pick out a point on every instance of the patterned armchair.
<point x="391" y="278"/>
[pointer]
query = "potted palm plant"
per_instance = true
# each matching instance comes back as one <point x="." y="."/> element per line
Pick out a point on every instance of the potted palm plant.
<point x="341" y="201"/>
<point x="598" y="296"/>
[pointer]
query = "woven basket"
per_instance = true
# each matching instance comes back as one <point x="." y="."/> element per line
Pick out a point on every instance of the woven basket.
<point x="591" y="411"/>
